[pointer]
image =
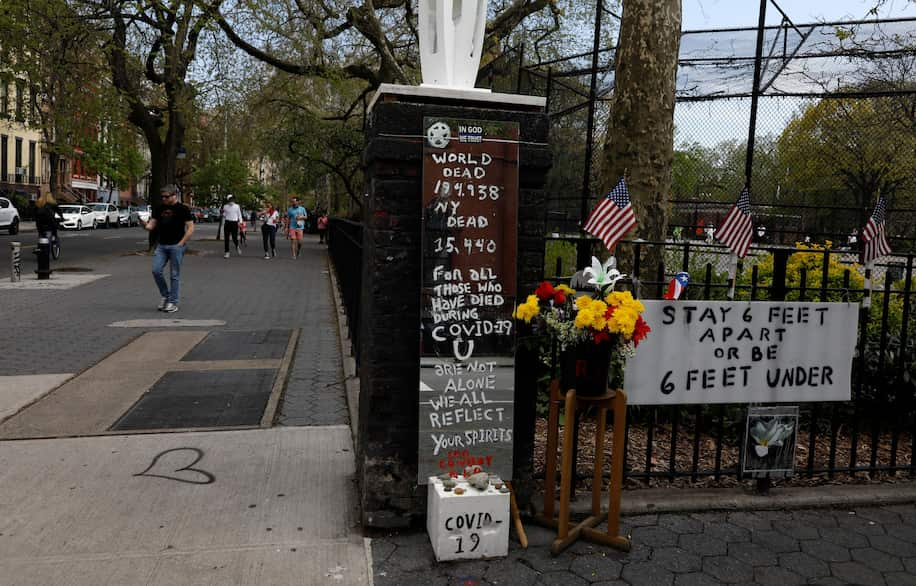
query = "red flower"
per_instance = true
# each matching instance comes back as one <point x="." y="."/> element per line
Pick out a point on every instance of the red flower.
<point x="610" y="311"/>
<point x="544" y="291"/>
<point x="640" y="331"/>
<point x="601" y="336"/>
<point x="559" y="297"/>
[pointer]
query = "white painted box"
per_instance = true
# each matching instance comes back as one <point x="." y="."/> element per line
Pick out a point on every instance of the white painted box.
<point x="473" y="525"/>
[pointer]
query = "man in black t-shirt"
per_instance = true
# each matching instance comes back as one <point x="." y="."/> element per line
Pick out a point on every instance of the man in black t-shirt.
<point x="175" y="224"/>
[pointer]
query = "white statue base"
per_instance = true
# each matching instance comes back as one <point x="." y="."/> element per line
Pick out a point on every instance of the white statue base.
<point x="473" y="525"/>
<point x="470" y="95"/>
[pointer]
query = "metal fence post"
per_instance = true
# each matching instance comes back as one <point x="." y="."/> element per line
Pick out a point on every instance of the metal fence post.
<point x="44" y="258"/>
<point x="15" y="262"/>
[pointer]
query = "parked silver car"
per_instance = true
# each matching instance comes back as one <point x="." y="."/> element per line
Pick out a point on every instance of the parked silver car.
<point x="128" y="216"/>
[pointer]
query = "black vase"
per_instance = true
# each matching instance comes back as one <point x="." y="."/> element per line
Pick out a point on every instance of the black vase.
<point x="585" y="367"/>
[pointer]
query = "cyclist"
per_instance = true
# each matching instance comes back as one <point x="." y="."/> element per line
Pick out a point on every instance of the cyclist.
<point x="46" y="216"/>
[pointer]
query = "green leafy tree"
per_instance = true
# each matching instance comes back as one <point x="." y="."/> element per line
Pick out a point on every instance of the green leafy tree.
<point x="46" y="45"/>
<point x="221" y="176"/>
<point x="848" y="150"/>
<point x="151" y="46"/>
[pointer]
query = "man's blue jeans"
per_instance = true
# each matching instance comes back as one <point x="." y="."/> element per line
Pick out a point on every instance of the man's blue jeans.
<point x="172" y="254"/>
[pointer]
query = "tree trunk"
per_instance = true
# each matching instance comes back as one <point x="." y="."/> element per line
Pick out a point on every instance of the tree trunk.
<point x="53" y="173"/>
<point x="640" y="135"/>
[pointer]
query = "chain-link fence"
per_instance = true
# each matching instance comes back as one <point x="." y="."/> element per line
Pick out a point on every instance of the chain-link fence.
<point x="835" y="127"/>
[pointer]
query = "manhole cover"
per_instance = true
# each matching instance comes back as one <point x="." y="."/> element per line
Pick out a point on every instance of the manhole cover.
<point x="72" y="270"/>
<point x="240" y="345"/>
<point x="216" y="398"/>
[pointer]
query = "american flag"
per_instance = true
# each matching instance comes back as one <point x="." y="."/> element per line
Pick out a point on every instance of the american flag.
<point x="613" y="217"/>
<point x="737" y="228"/>
<point x="873" y="234"/>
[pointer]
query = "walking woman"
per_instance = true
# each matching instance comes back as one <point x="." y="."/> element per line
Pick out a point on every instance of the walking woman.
<point x="269" y="231"/>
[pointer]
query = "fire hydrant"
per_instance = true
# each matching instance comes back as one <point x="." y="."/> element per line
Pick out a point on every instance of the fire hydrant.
<point x="44" y="258"/>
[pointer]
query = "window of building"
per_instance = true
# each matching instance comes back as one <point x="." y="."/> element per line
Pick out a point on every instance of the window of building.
<point x="17" y="157"/>
<point x="4" y="157"/>
<point x="32" y="162"/>
<point x="4" y="98"/>
<point x="20" y="101"/>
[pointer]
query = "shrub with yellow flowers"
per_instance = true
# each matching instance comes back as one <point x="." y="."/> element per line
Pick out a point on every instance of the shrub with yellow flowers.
<point x="605" y="317"/>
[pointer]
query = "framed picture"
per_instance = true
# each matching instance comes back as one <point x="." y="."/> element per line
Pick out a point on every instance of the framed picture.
<point x="769" y="442"/>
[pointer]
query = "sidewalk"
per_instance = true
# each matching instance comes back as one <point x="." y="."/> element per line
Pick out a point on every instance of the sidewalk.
<point x="232" y="503"/>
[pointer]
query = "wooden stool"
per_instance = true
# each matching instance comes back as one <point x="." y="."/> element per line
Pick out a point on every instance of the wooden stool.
<point x="617" y="401"/>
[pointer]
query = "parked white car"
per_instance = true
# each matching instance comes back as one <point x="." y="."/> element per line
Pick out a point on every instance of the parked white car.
<point x="143" y="212"/>
<point x="77" y="217"/>
<point x="128" y="216"/>
<point x="106" y="214"/>
<point x="9" y="216"/>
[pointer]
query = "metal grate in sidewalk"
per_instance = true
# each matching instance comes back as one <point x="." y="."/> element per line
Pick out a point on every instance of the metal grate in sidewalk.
<point x="221" y="398"/>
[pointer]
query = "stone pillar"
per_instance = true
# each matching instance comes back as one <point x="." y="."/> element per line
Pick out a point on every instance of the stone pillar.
<point x="390" y="302"/>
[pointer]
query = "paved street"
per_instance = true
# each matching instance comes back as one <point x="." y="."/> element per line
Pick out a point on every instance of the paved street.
<point x="256" y="505"/>
<point x="65" y="332"/>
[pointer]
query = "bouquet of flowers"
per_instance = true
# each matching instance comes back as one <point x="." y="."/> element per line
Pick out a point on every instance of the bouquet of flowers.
<point x="606" y="317"/>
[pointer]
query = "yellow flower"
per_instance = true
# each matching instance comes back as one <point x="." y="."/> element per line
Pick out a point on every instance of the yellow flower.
<point x="613" y="326"/>
<point x="616" y="298"/>
<point x="526" y="311"/>
<point x="583" y="319"/>
<point x="636" y="306"/>
<point x="626" y="321"/>
<point x="583" y="302"/>
<point x="566" y="289"/>
<point x="624" y="299"/>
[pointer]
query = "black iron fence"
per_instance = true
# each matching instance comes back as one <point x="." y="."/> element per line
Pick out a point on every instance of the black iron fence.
<point x="345" y="244"/>
<point x="874" y="432"/>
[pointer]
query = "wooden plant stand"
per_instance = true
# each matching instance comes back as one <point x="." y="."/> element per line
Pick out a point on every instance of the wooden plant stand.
<point x="613" y="400"/>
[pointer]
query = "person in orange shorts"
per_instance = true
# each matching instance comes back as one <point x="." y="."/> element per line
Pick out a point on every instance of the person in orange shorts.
<point x="297" y="216"/>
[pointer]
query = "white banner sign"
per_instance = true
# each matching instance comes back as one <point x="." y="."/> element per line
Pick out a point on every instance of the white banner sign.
<point x="741" y="352"/>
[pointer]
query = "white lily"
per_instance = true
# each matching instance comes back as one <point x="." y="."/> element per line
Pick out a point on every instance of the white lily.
<point x="603" y="275"/>
<point x="772" y="434"/>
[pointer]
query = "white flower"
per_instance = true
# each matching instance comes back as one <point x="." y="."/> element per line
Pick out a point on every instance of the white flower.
<point x="772" y="434"/>
<point x="603" y="275"/>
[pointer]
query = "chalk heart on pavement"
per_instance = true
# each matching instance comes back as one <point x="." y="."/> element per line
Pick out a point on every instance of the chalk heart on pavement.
<point x="178" y="464"/>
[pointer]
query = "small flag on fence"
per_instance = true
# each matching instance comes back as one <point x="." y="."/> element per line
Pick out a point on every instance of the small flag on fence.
<point x="738" y="228"/>
<point x="613" y="217"/>
<point x="873" y="234"/>
<point x="677" y="286"/>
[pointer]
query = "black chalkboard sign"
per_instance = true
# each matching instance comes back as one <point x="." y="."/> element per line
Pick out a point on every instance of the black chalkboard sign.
<point x="467" y="348"/>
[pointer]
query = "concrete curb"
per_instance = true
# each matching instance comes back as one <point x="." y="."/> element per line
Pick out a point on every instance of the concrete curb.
<point x="692" y="500"/>
<point x="351" y="378"/>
